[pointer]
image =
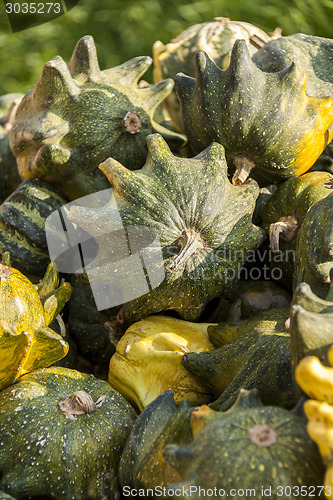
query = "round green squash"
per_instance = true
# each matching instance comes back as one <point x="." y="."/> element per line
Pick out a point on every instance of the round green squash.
<point x="270" y="128"/>
<point x="63" y="433"/>
<point x="76" y="116"/>
<point x="22" y="226"/>
<point x="201" y="224"/>
<point x="250" y="354"/>
<point x="262" y="449"/>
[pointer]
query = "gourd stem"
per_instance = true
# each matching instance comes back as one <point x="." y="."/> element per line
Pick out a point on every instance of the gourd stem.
<point x="132" y="122"/>
<point x="263" y="435"/>
<point x="79" y="403"/>
<point x="243" y="165"/>
<point x="190" y="242"/>
<point x="5" y="272"/>
<point x="286" y="228"/>
<point x="257" y="42"/>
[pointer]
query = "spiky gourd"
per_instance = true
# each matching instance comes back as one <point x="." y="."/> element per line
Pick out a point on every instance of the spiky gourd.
<point x="216" y="38"/>
<point x="284" y="214"/>
<point x="148" y="361"/>
<point x="311" y="325"/>
<point x="314" y="247"/>
<point x="22" y="226"/>
<point x="202" y="222"/>
<point x="10" y="178"/>
<point x="238" y="361"/>
<point x="254" y="448"/>
<point x="270" y="128"/>
<point x="142" y="464"/>
<point x="76" y="116"/>
<point x="63" y="433"/>
<point x="26" y="311"/>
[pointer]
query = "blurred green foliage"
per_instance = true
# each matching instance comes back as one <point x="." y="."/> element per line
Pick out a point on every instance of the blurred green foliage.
<point x="123" y="29"/>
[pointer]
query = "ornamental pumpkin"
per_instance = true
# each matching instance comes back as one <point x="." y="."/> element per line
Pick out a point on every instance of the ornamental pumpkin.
<point x="238" y="361"/>
<point x="63" y="435"/>
<point x="22" y="226"/>
<point x="311" y="325"/>
<point x="77" y="115"/>
<point x="10" y="178"/>
<point x="216" y="38"/>
<point x="148" y="361"/>
<point x="270" y="128"/>
<point x="26" y="341"/>
<point x="264" y="450"/>
<point x="314" y="248"/>
<point x="312" y="54"/>
<point x="142" y="464"/>
<point x="284" y="214"/>
<point x="199" y="224"/>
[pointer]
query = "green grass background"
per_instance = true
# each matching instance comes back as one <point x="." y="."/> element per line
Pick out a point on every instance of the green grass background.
<point x="123" y="29"/>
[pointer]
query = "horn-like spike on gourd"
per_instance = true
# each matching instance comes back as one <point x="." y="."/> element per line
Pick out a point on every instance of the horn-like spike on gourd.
<point x="185" y="86"/>
<point x="130" y="71"/>
<point x="55" y="81"/>
<point x="156" y="93"/>
<point x="114" y="170"/>
<point x="157" y="149"/>
<point x="241" y="65"/>
<point x="205" y="68"/>
<point x="84" y="59"/>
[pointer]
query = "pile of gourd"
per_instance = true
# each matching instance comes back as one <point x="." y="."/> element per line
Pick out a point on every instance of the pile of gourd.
<point x="199" y="382"/>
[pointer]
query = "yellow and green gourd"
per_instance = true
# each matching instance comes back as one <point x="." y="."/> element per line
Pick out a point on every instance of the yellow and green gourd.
<point x="63" y="433"/>
<point x="203" y="223"/>
<point x="270" y="128"/>
<point x="148" y="361"/>
<point x="77" y="115"/>
<point x="26" y="311"/>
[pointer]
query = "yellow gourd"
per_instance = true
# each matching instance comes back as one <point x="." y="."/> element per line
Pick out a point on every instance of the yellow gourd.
<point x="26" y="311"/>
<point x="148" y="361"/>
<point x="316" y="380"/>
